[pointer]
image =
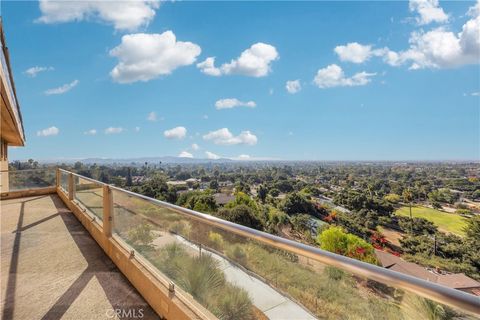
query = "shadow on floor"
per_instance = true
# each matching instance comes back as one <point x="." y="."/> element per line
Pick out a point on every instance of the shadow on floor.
<point x="126" y="302"/>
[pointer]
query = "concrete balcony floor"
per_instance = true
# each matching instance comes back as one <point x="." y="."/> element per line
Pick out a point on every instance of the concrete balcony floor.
<point x="51" y="268"/>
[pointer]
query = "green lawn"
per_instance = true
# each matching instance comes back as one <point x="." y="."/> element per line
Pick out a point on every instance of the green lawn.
<point x="444" y="221"/>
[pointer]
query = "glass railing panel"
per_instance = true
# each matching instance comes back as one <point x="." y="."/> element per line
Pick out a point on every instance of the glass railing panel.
<point x="233" y="275"/>
<point x="89" y="194"/>
<point x="162" y="236"/>
<point x="64" y="181"/>
<point x="31" y="179"/>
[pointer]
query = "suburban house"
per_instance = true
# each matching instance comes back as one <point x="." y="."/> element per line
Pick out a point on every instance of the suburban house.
<point x="457" y="281"/>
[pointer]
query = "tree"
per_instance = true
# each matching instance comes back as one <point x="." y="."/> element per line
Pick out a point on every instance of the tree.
<point x="274" y="192"/>
<point x="334" y="239"/>
<point x="472" y="229"/>
<point x="392" y="198"/>
<point x="203" y="203"/>
<point x="241" y="214"/>
<point x="408" y="197"/>
<point x="295" y="203"/>
<point x="262" y="193"/>
<point x="242" y="198"/>
<point x="213" y="185"/>
<point x="418" y="227"/>
<point x="301" y="222"/>
<point x="129" y="182"/>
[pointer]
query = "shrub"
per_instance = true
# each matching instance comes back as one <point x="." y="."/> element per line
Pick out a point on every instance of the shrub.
<point x="463" y="211"/>
<point x="216" y="240"/>
<point x="141" y="235"/>
<point x="334" y="239"/>
<point x="234" y="304"/>
<point x="237" y="254"/>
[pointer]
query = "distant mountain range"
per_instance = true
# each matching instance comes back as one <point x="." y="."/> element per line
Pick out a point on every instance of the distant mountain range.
<point x="142" y="160"/>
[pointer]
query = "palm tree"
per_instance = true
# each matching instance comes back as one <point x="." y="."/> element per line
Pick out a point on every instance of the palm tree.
<point x="408" y="197"/>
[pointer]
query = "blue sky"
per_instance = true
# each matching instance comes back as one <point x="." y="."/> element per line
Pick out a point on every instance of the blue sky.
<point x="376" y="80"/>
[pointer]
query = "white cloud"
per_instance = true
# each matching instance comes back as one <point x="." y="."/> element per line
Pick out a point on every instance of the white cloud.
<point x="211" y="155"/>
<point x="474" y="11"/>
<point x="62" y="89"/>
<point x="152" y="116"/>
<point x="123" y="15"/>
<point x="33" y="71"/>
<point x="232" y="103"/>
<point x="438" y="48"/>
<point x="225" y="137"/>
<point x="208" y="67"/>
<point x="333" y="76"/>
<point x="185" y="154"/>
<point x="113" y="130"/>
<point x="244" y="157"/>
<point x="195" y="147"/>
<point x="475" y="94"/>
<point x="175" y="133"/>
<point x="90" y="132"/>
<point x="52" y="131"/>
<point x="293" y="86"/>
<point x="143" y="57"/>
<point x="137" y="129"/>
<point x="428" y="10"/>
<point x="253" y="62"/>
<point x="356" y="52"/>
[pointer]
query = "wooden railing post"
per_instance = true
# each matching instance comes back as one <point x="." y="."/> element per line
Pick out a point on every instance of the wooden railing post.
<point x="57" y="177"/>
<point x="71" y="187"/>
<point x="107" y="210"/>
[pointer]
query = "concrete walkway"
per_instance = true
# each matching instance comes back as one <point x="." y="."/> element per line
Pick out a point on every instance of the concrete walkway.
<point x="53" y="269"/>
<point x="272" y="303"/>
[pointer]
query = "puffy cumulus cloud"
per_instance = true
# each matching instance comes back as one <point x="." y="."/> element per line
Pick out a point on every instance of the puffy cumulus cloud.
<point x="253" y="62"/>
<point x="333" y="76"/>
<point x="356" y="52"/>
<point x="438" y="48"/>
<point x="195" y="147"/>
<point x="113" y="130"/>
<point x="62" y="89"/>
<point x="175" y="133"/>
<point x="225" y="137"/>
<point x="123" y="15"/>
<point x="207" y="66"/>
<point x="428" y="11"/>
<point x="52" y="131"/>
<point x="233" y="103"/>
<point x="90" y="132"/>
<point x="293" y="86"/>
<point x="33" y="71"/>
<point x="185" y="154"/>
<point x="211" y="155"/>
<point x="143" y="57"/>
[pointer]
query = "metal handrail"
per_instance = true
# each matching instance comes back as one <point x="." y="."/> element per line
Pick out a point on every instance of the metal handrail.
<point x="28" y="170"/>
<point x="429" y="290"/>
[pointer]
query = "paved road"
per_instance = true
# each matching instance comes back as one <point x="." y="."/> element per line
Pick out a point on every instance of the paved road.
<point x="272" y="303"/>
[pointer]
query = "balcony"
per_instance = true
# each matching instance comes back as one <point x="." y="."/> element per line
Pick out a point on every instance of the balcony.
<point x="78" y="248"/>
